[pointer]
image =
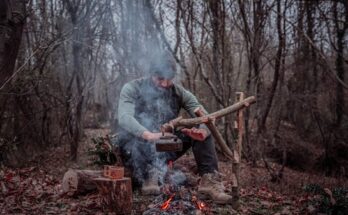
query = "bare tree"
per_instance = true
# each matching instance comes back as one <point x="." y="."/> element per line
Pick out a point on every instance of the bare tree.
<point x="12" y="19"/>
<point x="340" y="13"/>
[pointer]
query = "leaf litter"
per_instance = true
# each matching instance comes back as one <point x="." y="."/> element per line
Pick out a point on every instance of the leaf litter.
<point x="36" y="189"/>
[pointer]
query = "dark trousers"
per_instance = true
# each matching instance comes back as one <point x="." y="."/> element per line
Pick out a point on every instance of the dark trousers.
<point x="141" y="156"/>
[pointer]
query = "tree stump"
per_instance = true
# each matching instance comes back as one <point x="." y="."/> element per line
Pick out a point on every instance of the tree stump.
<point x="80" y="181"/>
<point x="115" y="194"/>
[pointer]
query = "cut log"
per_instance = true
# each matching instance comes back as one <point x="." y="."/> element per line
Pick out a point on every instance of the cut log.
<point x="115" y="194"/>
<point x="79" y="181"/>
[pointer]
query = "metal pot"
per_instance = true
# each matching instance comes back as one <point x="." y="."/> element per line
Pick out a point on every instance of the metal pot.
<point x="170" y="143"/>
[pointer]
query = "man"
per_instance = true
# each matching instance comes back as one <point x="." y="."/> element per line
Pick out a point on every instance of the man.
<point x="145" y="104"/>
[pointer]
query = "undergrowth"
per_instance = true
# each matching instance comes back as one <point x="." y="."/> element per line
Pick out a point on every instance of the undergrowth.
<point x="331" y="202"/>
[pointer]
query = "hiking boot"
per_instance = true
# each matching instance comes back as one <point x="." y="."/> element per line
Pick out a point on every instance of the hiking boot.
<point x="211" y="187"/>
<point x="150" y="186"/>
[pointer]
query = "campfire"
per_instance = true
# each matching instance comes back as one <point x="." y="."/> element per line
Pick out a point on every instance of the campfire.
<point x="176" y="199"/>
<point x="180" y="202"/>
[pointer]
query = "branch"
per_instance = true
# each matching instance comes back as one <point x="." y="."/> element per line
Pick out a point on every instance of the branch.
<point x="217" y="135"/>
<point x="205" y="119"/>
<point x="331" y="72"/>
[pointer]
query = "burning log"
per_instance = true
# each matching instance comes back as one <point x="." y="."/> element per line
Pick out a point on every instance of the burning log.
<point x="79" y="181"/>
<point x="115" y="194"/>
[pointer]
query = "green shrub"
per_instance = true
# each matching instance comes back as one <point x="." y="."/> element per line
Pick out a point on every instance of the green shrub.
<point x="101" y="152"/>
<point x="335" y="204"/>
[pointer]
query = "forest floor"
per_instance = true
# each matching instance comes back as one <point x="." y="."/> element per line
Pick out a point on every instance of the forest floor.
<point x="36" y="189"/>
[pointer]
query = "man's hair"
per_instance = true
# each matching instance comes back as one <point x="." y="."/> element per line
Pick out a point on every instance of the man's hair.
<point x="163" y="67"/>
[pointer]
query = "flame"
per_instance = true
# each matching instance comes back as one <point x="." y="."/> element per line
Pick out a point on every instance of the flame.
<point x="200" y="205"/>
<point x="166" y="204"/>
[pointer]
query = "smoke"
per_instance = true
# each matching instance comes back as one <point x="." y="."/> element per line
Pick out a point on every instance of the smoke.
<point x="146" y="161"/>
<point x="144" y="53"/>
<point x="140" y="43"/>
<point x="177" y="178"/>
<point x="155" y="108"/>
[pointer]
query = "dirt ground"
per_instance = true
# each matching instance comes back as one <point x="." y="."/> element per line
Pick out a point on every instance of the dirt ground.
<point x="36" y="189"/>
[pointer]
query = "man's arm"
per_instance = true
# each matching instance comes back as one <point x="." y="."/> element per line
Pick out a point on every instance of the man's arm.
<point x="126" y="111"/>
<point x="190" y="104"/>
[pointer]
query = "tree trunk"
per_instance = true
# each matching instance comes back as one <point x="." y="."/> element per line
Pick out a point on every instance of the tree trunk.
<point x="11" y="29"/>
<point x="341" y="30"/>
<point x="78" y="75"/>
<point x="277" y="67"/>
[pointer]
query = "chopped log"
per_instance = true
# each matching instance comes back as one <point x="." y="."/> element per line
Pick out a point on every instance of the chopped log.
<point x="79" y="181"/>
<point x="203" y="119"/>
<point x="115" y="194"/>
<point x="216" y="134"/>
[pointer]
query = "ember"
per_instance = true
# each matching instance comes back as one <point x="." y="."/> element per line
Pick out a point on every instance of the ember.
<point x="166" y="204"/>
<point x="180" y="201"/>
<point x="200" y="205"/>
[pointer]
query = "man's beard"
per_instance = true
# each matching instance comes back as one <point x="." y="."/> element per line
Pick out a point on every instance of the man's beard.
<point x="162" y="89"/>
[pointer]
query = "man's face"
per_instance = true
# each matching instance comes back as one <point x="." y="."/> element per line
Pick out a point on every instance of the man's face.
<point x="162" y="83"/>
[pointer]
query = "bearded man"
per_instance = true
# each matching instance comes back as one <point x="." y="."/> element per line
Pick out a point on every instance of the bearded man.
<point x="147" y="103"/>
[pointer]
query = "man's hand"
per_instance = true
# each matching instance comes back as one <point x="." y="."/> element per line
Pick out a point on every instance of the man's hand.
<point x="149" y="136"/>
<point x="199" y="134"/>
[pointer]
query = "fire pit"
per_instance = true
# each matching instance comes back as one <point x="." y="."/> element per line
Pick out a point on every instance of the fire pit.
<point x="181" y="202"/>
<point x="176" y="197"/>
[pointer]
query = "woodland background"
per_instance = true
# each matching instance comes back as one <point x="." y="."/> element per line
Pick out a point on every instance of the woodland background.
<point x="63" y="63"/>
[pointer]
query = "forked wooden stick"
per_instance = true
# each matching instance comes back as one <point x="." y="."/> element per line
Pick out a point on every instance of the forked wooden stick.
<point x="216" y="134"/>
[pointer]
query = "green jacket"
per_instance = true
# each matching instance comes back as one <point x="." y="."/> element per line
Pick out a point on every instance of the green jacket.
<point x="143" y="106"/>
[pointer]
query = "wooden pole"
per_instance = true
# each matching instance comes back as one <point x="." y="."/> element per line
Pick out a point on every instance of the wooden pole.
<point x="240" y="116"/>
<point x="239" y="126"/>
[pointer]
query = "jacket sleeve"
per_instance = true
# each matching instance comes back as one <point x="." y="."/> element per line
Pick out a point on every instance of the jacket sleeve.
<point x="126" y="111"/>
<point x="190" y="103"/>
